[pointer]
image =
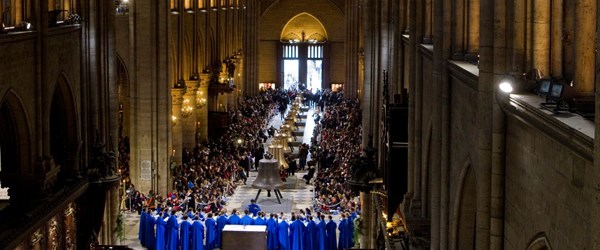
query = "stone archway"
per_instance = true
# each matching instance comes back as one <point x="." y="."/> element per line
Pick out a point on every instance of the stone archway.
<point x="65" y="145"/>
<point x="15" y="143"/>
<point x="539" y="242"/>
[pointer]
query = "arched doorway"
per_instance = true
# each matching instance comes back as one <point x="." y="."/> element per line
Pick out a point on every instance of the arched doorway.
<point x="303" y="54"/>
<point x="15" y="151"/>
<point x="64" y="140"/>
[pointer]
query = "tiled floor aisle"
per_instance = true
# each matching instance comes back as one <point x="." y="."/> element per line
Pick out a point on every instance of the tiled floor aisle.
<point x="301" y="196"/>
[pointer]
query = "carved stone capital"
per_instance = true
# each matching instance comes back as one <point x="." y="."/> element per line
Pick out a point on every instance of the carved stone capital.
<point x="177" y="96"/>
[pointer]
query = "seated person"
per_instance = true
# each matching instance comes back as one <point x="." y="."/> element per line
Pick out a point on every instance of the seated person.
<point x="253" y="208"/>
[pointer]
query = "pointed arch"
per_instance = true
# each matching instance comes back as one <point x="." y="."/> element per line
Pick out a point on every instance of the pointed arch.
<point x="123" y="90"/>
<point x="64" y="132"/>
<point x="464" y="208"/>
<point x="15" y="136"/>
<point x="304" y="27"/>
<point x="539" y="242"/>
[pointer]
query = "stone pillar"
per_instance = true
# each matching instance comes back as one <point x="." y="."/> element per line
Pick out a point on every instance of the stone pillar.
<point x="150" y="95"/>
<point x="484" y="124"/>
<point x="473" y="30"/>
<point x="518" y="36"/>
<point x="177" y="123"/>
<point x="368" y="221"/>
<point x="352" y="33"/>
<point x="557" y="38"/>
<point x="498" y="126"/>
<point x="251" y="47"/>
<point x="541" y="36"/>
<point x="458" y="42"/>
<point x="585" y="17"/>
<point x="427" y="22"/>
<point x="202" y="109"/>
<point x="188" y="116"/>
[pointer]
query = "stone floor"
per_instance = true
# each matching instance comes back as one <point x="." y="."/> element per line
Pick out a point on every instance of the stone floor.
<point x="299" y="197"/>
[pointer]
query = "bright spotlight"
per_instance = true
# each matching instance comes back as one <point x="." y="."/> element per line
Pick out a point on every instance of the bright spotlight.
<point x="239" y="141"/>
<point x="506" y="87"/>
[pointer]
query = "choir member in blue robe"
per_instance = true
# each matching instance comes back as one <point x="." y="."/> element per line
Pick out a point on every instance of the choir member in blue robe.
<point x="172" y="232"/>
<point x="211" y="231"/>
<point x="184" y="233"/>
<point x="161" y="233"/>
<point x="142" y="229"/>
<point x="330" y="242"/>
<point x="343" y="228"/>
<point x="297" y="234"/>
<point x="312" y="242"/>
<point x="272" y="232"/>
<point x="253" y="208"/>
<point x="282" y="235"/>
<point x="260" y="220"/>
<point x="150" y="237"/>
<point x="350" y="234"/>
<point x="321" y="232"/>
<point x="190" y="214"/>
<point x="197" y="235"/>
<point x="246" y="219"/>
<point x="234" y="219"/>
<point x="221" y="222"/>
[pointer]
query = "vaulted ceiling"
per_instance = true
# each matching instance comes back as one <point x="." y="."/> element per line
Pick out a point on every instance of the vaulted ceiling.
<point x="265" y="4"/>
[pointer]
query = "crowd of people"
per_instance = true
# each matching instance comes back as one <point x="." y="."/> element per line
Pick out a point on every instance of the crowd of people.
<point x="336" y="141"/>
<point x="211" y="171"/>
<point x="170" y="229"/>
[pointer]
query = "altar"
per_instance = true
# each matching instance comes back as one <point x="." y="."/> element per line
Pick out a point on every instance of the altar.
<point x="251" y="237"/>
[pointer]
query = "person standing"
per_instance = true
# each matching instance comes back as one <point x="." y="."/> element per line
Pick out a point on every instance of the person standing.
<point x="211" y="230"/>
<point x="184" y="233"/>
<point x="246" y="219"/>
<point x="321" y="232"/>
<point x="172" y="232"/>
<point x="197" y="235"/>
<point x="221" y="222"/>
<point x="161" y="232"/>
<point x="272" y="240"/>
<point x="343" y="228"/>
<point x="282" y="235"/>
<point x="330" y="241"/>
<point x="297" y="234"/>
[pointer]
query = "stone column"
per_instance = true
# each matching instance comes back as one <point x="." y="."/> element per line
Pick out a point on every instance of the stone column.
<point x="427" y="22"/>
<point x="366" y="204"/>
<point x="498" y="127"/>
<point x="458" y="42"/>
<point x="518" y="36"/>
<point x="473" y="30"/>
<point x="585" y="17"/>
<point x="352" y="33"/>
<point x="188" y="116"/>
<point x="557" y="38"/>
<point x="541" y="36"/>
<point x="251" y="47"/>
<point x="177" y="123"/>
<point x="484" y="124"/>
<point x="202" y="109"/>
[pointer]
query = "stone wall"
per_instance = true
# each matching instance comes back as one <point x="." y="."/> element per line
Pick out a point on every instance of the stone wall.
<point x="548" y="190"/>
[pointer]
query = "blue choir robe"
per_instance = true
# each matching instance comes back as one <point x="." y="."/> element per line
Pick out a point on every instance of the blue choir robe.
<point x="190" y="215"/>
<point x="283" y="237"/>
<point x="312" y="242"/>
<point x="161" y="234"/>
<point x="211" y="231"/>
<point x="254" y="209"/>
<point x="321" y="235"/>
<point x="247" y="220"/>
<point x="184" y="234"/>
<point x="221" y="222"/>
<point x="350" y="234"/>
<point x="330" y="242"/>
<point x="271" y="234"/>
<point x="197" y="236"/>
<point x="296" y="235"/>
<point x="172" y="233"/>
<point x="260" y="221"/>
<point x="150" y="237"/>
<point x="343" y="241"/>
<point x="142" y="229"/>
<point x="234" y="219"/>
